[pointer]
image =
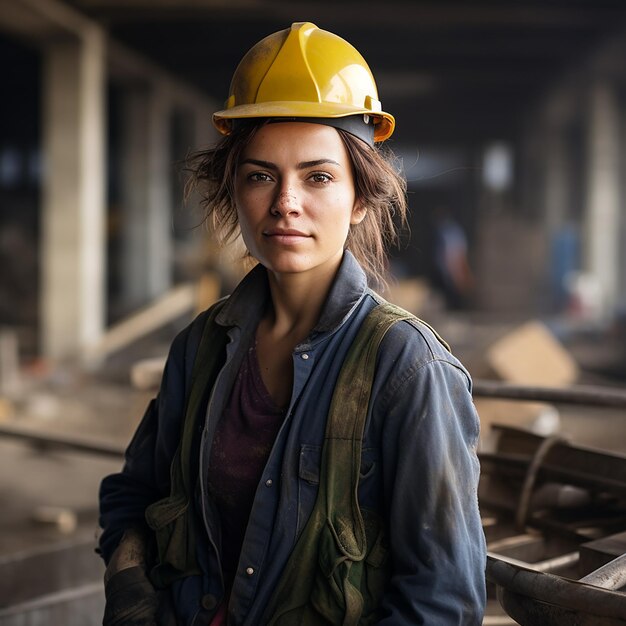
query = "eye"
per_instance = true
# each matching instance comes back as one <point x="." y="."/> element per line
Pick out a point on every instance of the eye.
<point x="259" y="177"/>
<point x="320" y="177"/>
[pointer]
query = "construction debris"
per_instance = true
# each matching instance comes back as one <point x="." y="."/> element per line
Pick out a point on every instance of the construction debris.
<point x="63" y="519"/>
<point x="531" y="355"/>
<point x="554" y="516"/>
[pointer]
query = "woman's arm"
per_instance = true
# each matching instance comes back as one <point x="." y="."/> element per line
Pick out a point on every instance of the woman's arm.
<point x="124" y="496"/>
<point x="431" y="476"/>
<point x="124" y="543"/>
<point x="145" y="476"/>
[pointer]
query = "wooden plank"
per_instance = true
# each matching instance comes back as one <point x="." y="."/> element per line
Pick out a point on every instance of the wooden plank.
<point x="175" y="303"/>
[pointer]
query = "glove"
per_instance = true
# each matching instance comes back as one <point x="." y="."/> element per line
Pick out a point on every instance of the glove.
<point x="129" y="595"/>
<point x="131" y="600"/>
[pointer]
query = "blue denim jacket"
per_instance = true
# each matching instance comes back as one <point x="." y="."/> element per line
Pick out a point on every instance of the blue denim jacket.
<point x="419" y="467"/>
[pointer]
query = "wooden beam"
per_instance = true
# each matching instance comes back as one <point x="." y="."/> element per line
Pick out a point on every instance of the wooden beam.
<point x="179" y="301"/>
<point x="420" y="14"/>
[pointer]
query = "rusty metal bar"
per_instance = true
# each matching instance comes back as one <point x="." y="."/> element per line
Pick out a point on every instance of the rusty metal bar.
<point x="552" y="590"/>
<point x="575" y="530"/>
<point x="609" y="576"/>
<point x="591" y="395"/>
<point x="528" y="612"/>
<point x="577" y="465"/>
<point x="75" y="444"/>
<point x="557" y="472"/>
<point x="547" y="565"/>
<point x="530" y="480"/>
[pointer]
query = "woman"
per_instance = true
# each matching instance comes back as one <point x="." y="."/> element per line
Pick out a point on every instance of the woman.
<point x="221" y="479"/>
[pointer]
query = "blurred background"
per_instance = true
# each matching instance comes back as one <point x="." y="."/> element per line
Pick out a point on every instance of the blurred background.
<point x="511" y="130"/>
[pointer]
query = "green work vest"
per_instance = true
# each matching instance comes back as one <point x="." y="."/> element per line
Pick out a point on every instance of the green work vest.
<point x="338" y="569"/>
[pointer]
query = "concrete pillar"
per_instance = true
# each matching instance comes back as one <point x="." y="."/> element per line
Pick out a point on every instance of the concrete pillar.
<point x="73" y="233"/>
<point x="146" y="195"/>
<point x="622" y="233"/>
<point x="602" y="218"/>
<point x="160" y="172"/>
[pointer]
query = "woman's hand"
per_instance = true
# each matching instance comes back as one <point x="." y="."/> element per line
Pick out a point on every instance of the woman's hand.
<point x="130" y="552"/>
<point x="131" y="600"/>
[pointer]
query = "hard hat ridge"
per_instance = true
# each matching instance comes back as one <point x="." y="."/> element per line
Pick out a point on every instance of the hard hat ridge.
<point x="289" y="63"/>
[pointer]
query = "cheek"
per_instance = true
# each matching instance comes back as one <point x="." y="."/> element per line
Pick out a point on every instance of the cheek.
<point x="244" y="207"/>
<point x="241" y="218"/>
<point x="350" y="212"/>
<point x="251" y="204"/>
<point x="246" y="229"/>
<point x="244" y="224"/>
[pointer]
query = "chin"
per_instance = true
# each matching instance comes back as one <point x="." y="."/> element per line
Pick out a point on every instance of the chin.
<point x="285" y="263"/>
<point x="287" y="268"/>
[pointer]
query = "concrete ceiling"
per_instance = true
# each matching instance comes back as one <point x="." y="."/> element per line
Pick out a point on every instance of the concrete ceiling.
<point x="446" y="68"/>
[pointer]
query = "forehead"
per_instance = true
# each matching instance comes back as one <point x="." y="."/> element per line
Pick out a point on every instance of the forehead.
<point x="300" y="141"/>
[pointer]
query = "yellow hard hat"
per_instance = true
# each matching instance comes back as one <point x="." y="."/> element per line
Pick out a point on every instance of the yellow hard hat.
<point x="304" y="72"/>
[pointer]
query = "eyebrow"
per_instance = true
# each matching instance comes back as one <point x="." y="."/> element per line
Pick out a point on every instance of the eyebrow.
<point x="301" y="166"/>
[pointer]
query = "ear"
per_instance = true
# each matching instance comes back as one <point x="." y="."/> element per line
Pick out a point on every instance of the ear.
<point x="358" y="213"/>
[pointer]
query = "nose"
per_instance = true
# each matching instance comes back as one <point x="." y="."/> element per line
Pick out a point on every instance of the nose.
<point x="285" y="203"/>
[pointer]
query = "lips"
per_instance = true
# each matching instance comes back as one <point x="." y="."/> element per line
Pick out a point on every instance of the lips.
<point x="285" y="236"/>
<point x="284" y="232"/>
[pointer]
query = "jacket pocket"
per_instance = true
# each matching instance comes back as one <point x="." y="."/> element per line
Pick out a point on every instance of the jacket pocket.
<point x="308" y="482"/>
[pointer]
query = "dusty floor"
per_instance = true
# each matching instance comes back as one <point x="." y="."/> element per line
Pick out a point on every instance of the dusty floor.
<point x="43" y="487"/>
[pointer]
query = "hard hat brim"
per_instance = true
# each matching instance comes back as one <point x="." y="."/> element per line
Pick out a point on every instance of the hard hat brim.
<point x="384" y="123"/>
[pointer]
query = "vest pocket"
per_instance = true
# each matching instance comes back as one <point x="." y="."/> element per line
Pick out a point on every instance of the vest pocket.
<point x="168" y="518"/>
<point x="377" y="570"/>
<point x="348" y="587"/>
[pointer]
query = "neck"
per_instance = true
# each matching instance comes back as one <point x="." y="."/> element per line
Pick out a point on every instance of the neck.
<point x="297" y="301"/>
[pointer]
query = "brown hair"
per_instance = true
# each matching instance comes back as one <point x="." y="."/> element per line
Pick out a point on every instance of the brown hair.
<point x="378" y="186"/>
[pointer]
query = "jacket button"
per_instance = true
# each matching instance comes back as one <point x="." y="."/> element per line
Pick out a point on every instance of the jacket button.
<point x="209" y="601"/>
<point x="305" y="356"/>
<point x="250" y="571"/>
<point x="269" y="482"/>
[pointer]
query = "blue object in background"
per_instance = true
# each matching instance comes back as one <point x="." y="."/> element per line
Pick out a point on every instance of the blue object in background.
<point x="564" y="259"/>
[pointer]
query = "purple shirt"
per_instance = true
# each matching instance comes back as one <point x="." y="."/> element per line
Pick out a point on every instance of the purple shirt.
<point x="243" y="441"/>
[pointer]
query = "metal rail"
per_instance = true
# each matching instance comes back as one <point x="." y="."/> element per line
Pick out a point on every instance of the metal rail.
<point x="536" y="598"/>
<point x="528" y="595"/>
<point x="75" y="444"/>
<point x="609" y="576"/>
<point x="562" y="461"/>
<point x="591" y="395"/>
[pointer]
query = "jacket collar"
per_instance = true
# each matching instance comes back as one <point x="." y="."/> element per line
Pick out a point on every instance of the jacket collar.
<point x="248" y="301"/>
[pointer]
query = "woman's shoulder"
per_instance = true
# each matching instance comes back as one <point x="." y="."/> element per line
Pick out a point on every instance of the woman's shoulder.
<point x="417" y="343"/>
<point x="185" y="344"/>
<point x="422" y="336"/>
<point x="412" y="343"/>
<point x="413" y="330"/>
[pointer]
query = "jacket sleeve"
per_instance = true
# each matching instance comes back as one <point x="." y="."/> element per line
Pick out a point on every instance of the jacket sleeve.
<point x="430" y="473"/>
<point x="145" y="475"/>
